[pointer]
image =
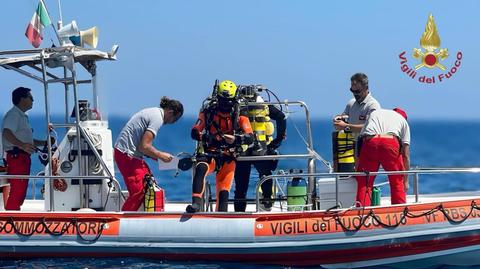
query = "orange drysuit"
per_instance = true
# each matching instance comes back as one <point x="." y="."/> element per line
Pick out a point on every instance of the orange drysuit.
<point x="218" y="154"/>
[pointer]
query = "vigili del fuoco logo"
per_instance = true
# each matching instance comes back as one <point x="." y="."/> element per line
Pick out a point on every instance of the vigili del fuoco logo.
<point x="430" y="56"/>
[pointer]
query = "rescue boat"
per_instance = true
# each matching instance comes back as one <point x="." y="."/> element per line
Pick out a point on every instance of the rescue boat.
<point x="80" y="213"/>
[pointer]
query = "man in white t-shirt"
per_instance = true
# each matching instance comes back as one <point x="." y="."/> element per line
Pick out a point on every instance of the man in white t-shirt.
<point x="385" y="141"/>
<point x="135" y="141"/>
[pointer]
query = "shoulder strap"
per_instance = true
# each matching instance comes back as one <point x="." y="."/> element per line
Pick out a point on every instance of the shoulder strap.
<point x="236" y="117"/>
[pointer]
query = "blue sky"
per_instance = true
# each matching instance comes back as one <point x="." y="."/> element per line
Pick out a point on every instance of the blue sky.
<point x="303" y="50"/>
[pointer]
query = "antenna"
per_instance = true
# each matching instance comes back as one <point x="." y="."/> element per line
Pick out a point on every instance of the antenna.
<point x="215" y="88"/>
<point x="60" y="10"/>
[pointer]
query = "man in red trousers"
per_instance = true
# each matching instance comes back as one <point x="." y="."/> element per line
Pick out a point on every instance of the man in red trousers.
<point x="386" y="142"/>
<point x="18" y="142"/>
<point x="135" y="142"/>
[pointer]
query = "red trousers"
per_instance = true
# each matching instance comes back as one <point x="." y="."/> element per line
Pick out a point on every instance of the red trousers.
<point x="18" y="164"/>
<point x="376" y="151"/>
<point x="133" y="171"/>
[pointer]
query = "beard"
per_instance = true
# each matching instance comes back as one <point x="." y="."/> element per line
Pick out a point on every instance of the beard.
<point x="359" y="98"/>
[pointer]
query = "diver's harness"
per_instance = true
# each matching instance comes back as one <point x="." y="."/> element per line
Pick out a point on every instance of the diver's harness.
<point x="213" y="145"/>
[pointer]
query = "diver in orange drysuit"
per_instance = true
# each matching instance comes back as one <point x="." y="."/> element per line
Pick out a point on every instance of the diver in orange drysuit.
<point x="220" y="130"/>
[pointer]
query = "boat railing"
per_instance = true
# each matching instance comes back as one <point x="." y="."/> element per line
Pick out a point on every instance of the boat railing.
<point x="309" y="140"/>
<point x="342" y="175"/>
<point x="310" y="155"/>
<point x="94" y="150"/>
<point x="84" y="178"/>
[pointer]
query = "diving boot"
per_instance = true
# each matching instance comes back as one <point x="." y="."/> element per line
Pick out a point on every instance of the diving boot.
<point x="266" y="204"/>
<point x="222" y="201"/>
<point x="196" y="205"/>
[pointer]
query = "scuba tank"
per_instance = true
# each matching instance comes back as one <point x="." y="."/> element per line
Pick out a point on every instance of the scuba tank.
<point x="343" y="146"/>
<point x="376" y="196"/>
<point x="154" y="195"/>
<point x="259" y="118"/>
<point x="269" y="129"/>
<point x="343" y="151"/>
<point x="296" y="192"/>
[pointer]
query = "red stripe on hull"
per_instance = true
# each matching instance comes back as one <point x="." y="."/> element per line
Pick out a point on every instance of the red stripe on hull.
<point x="293" y="259"/>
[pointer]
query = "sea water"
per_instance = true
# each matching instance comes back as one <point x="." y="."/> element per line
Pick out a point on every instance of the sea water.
<point x="433" y="144"/>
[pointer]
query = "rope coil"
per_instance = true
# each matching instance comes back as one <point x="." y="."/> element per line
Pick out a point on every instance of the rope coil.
<point x="406" y="214"/>
<point x="41" y="226"/>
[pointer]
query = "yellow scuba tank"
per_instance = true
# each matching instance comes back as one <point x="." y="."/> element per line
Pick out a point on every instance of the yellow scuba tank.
<point x="258" y="117"/>
<point x="154" y="196"/>
<point x="269" y="130"/>
<point x="343" y="145"/>
<point x="262" y="127"/>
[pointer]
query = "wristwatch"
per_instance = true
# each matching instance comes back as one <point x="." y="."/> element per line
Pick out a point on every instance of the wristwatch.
<point x="347" y="128"/>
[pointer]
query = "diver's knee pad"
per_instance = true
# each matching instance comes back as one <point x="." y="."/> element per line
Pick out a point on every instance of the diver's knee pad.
<point x="201" y="170"/>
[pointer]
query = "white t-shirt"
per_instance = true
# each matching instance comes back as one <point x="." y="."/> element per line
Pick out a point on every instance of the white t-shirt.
<point x="17" y="121"/>
<point x="387" y="122"/>
<point x="150" y="119"/>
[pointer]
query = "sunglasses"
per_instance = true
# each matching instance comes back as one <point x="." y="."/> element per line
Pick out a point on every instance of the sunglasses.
<point x="356" y="91"/>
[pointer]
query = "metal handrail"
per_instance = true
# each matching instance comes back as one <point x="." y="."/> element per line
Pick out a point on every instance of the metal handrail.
<point x="68" y="81"/>
<point x="95" y="151"/>
<point x="54" y="177"/>
<point x="274" y="157"/>
<point x="309" y="139"/>
<point x="415" y="172"/>
<point x="87" y="178"/>
<point x="310" y="156"/>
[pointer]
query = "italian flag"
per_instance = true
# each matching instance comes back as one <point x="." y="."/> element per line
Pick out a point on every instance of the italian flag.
<point x="39" y="20"/>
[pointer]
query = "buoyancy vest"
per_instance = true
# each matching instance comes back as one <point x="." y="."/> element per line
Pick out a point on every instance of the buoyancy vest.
<point x="216" y="124"/>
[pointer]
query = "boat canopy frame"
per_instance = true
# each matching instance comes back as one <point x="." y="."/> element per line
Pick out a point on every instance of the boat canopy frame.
<point x="66" y="58"/>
